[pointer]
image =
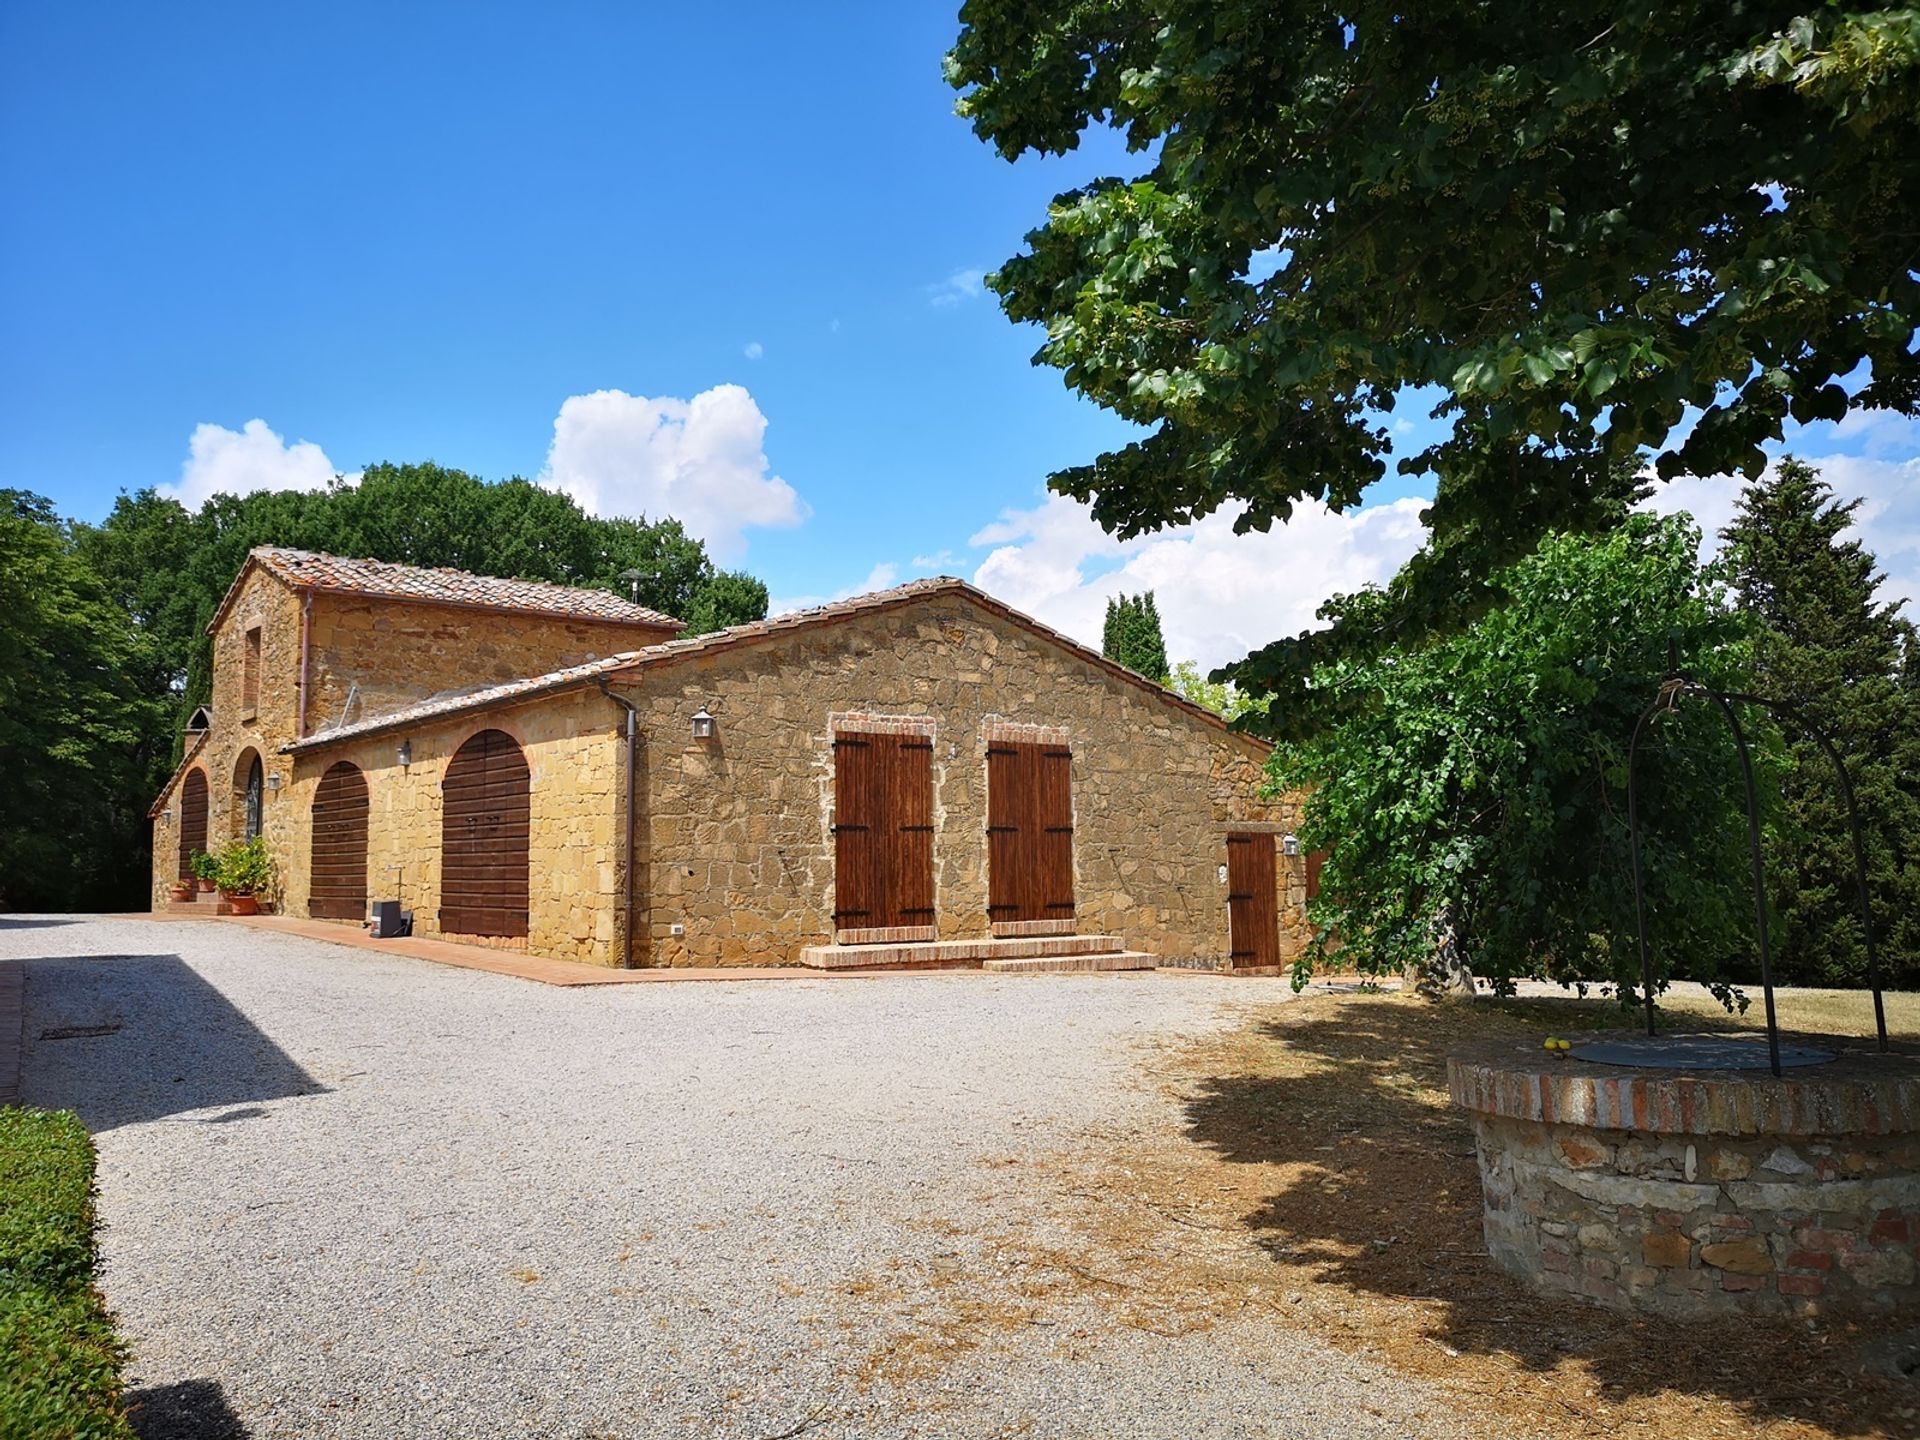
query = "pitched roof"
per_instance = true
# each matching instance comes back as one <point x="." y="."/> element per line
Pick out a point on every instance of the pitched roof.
<point x="670" y="651"/>
<point x="311" y="570"/>
<point x="188" y="756"/>
<point x="481" y="699"/>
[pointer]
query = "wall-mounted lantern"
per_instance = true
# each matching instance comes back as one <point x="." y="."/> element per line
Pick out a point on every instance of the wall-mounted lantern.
<point x="703" y="724"/>
<point x="1290" y="844"/>
<point x="273" y="782"/>
<point x="404" y="754"/>
<point x="166" y="817"/>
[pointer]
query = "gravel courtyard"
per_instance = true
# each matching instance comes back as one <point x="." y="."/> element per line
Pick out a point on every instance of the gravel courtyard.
<point x="350" y="1194"/>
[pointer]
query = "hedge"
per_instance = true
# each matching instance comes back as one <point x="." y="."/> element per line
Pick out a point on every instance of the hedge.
<point x="60" y="1360"/>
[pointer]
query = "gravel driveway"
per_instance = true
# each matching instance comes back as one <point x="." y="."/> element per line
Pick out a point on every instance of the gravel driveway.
<point x="349" y="1194"/>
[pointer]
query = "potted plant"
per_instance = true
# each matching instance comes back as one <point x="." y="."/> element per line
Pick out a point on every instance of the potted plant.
<point x="244" y="870"/>
<point x="206" y="869"/>
<point x="181" y="891"/>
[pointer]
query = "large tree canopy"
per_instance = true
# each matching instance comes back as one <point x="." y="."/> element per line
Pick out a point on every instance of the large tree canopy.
<point x="1480" y="782"/>
<point x="1828" y="645"/>
<point x="1581" y="223"/>
<point x="110" y="646"/>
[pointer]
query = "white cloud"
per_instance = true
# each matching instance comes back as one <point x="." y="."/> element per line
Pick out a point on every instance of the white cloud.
<point x="945" y="561"/>
<point x="700" y="461"/>
<point x="238" y="462"/>
<point x="754" y="350"/>
<point x="1220" y="595"/>
<point x="960" y="285"/>
<point x="1887" y="522"/>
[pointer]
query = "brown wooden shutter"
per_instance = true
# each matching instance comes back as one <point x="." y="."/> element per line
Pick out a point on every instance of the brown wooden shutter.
<point x="1029" y="833"/>
<point x="1314" y="862"/>
<point x="484" y="829"/>
<point x="882" y="831"/>
<point x="1253" y="904"/>
<point x="193" y="819"/>
<point x="337" y="887"/>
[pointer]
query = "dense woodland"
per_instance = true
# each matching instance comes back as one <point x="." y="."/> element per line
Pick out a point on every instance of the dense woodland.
<point x="104" y="649"/>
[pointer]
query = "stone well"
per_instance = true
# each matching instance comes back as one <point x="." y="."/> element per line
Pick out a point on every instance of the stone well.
<point x="1701" y="1192"/>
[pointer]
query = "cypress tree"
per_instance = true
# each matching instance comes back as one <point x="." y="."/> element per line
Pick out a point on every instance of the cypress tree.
<point x="1826" y="644"/>
<point x="1132" y="635"/>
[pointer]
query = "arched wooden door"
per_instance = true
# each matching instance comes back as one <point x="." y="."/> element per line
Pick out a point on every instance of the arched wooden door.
<point x="483" y="838"/>
<point x="337" y="886"/>
<point x="193" y="819"/>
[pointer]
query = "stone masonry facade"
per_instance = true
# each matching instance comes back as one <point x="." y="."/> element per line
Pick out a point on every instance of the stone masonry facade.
<point x="733" y="842"/>
<point x="737" y="841"/>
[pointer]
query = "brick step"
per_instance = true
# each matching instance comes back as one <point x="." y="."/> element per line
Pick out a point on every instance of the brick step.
<point x="1071" y="964"/>
<point x="957" y="954"/>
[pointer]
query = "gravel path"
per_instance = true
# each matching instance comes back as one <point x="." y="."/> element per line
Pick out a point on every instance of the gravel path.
<point x="347" y="1194"/>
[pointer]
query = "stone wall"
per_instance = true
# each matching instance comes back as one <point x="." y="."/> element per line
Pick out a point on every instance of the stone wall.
<point x="574" y="744"/>
<point x="1756" y="1195"/>
<point x="236" y="736"/>
<point x="735" y="833"/>
<point x="390" y="654"/>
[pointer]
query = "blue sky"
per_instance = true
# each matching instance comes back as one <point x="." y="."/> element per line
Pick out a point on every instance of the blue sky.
<point x="435" y="232"/>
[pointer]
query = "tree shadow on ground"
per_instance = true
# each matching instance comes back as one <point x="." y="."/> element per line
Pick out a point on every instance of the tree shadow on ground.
<point x="123" y="1039"/>
<point x="33" y="922"/>
<point x="1380" y="1198"/>
<point x="187" y="1410"/>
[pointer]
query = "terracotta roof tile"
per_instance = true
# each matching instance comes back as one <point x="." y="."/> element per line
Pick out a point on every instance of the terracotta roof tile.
<point x="310" y="570"/>
<point x="671" y="650"/>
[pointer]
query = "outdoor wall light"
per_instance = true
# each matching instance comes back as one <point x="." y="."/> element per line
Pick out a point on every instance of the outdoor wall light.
<point x="405" y="754"/>
<point x="273" y="782"/>
<point x="702" y="724"/>
<point x="1290" y="844"/>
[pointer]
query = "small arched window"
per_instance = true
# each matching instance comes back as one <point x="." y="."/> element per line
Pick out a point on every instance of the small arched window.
<point x="256" y="786"/>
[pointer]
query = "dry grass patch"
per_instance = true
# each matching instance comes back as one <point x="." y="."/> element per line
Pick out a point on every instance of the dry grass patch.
<point x="1324" y="1175"/>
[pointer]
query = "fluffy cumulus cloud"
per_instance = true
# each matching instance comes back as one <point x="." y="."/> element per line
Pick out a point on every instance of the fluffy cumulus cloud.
<point x="1885" y="477"/>
<point x="1220" y="594"/>
<point x="701" y="461"/>
<point x="238" y="462"/>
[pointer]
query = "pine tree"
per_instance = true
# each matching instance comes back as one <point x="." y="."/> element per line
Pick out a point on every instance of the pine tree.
<point x="1133" y="637"/>
<point x="1843" y="658"/>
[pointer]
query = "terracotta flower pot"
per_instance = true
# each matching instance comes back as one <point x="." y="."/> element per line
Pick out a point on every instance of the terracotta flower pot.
<point x="244" y="904"/>
<point x="206" y="887"/>
<point x="181" y="893"/>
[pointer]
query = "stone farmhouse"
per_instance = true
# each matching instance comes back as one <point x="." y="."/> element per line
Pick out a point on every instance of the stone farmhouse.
<point x="919" y="776"/>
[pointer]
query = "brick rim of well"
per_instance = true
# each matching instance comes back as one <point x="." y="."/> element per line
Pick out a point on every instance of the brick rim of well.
<point x="1860" y="1092"/>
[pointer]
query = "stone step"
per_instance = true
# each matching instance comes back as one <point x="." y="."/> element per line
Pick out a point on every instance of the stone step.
<point x="1071" y="964"/>
<point x="957" y="954"/>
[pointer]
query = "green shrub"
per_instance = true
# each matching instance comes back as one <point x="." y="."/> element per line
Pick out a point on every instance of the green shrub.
<point x="59" y="1357"/>
<point x="244" y="867"/>
<point x="203" y="866"/>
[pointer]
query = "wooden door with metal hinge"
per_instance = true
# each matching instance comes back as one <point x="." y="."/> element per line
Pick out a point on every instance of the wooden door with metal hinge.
<point x="1253" y="902"/>
<point x="1029" y="838"/>
<point x="882" y="837"/>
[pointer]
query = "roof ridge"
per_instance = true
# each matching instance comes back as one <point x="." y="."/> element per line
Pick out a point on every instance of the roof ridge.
<point x="320" y="570"/>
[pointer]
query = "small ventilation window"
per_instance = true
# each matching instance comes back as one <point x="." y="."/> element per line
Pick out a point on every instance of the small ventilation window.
<point x="250" y="676"/>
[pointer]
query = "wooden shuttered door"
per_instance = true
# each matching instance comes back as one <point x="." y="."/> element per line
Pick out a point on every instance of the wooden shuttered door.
<point x="1030" y="835"/>
<point x="882" y="836"/>
<point x="337" y="888"/>
<point x="483" y="838"/>
<point x="193" y="819"/>
<point x="1253" y="904"/>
